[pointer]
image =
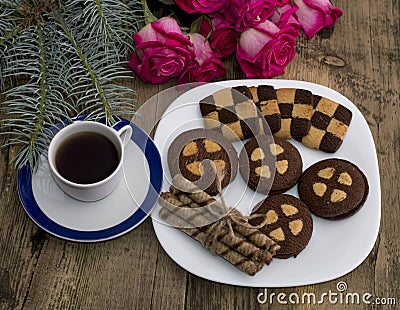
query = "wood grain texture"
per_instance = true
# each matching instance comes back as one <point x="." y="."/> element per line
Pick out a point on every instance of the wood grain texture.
<point x="361" y="60"/>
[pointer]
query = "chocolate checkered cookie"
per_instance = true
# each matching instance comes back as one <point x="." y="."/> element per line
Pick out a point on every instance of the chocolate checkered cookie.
<point x="232" y="112"/>
<point x="264" y="96"/>
<point x="329" y="125"/>
<point x="296" y="108"/>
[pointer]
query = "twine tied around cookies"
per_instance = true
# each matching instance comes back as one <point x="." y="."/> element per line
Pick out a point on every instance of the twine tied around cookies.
<point x="221" y="230"/>
<point x="217" y="229"/>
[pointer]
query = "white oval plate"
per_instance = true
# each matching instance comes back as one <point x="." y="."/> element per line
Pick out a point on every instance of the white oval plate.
<point x="335" y="248"/>
<point x="123" y="210"/>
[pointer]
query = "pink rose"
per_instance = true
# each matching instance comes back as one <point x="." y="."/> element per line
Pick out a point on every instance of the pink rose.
<point x="248" y="13"/>
<point x="202" y="6"/>
<point x="283" y="2"/>
<point x="161" y="51"/>
<point x="265" y="50"/>
<point x="205" y="66"/>
<point x="222" y="35"/>
<point x="283" y="16"/>
<point x="314" y="15"/>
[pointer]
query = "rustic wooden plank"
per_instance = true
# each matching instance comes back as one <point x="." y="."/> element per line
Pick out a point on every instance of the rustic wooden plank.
<point x="385" y="110"/>
<point x="114" y="274"/>
<point x="204" y="294"/>
<point x="20" y="240"/>
<point x="170" y="281"/>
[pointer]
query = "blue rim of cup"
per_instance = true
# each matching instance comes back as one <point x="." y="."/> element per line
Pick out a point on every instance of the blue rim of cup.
<point x="147" y="146"/>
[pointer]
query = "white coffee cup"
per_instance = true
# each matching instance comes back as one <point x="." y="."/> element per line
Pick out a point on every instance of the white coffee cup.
<point x="98" y="190"/>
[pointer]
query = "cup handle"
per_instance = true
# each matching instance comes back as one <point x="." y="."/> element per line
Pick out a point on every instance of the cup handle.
<point x="125" y="134"/>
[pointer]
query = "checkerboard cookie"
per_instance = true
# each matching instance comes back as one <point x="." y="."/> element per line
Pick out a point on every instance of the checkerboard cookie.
<point x="270" y="165"/>
<point x="198" y="153"/>
<point x="296" y="108"/>
<point x="289" y="223"/>
<point x="264" y="97"/>
<point x="232" y="112"/>
<point x="329" y="125"/>
<point x="333" y="188"/>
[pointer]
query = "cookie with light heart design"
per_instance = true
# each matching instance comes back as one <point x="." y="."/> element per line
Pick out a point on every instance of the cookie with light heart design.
<point x="289" y="223"/>
<point x="198" y="154"/>
<point x="333" y="188"/>
<point x="270" y="165"/>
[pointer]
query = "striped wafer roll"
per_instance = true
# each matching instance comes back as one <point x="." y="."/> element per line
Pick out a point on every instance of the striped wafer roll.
<point x="236" y="241"/>
<point x="296" y="107"/>
<point x="199" y="196"/>
<point x="259" y="239"/>
<point x="238" y="260"/>
<point x="253" y="235"/>
<point x="191" y="216"/>
<point x="212" y="213"/>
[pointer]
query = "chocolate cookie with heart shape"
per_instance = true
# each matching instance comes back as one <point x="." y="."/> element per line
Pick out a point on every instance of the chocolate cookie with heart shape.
<point x="198" y="154"/>
<point x="333" y="188"/>
<point x="270" y="165"/>
<point x="289" y="223"/>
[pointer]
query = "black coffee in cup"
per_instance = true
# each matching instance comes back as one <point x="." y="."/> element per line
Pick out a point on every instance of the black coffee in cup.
<point x="86" y="157"/>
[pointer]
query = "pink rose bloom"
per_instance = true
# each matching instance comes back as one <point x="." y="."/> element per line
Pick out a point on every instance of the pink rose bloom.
<point x="283" y="2"/>
<point x="205" y="66"/>
<point x="249" y="13"/>
<point x="202" y="6"/>
<point x="314" y="15"/>
<point x="161" y="51"/>
<point x="265" y="50"/>
<point x="223" y="37"/>
<point x="283" y="16"/>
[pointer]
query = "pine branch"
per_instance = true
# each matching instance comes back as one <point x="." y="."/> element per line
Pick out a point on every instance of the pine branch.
<point x="7" y="37"/>
<point x="42" y="87"/>
<point x="91" y="78"/>
<point x="8" y="4"/>
<point x="113" y="21"/>
<point x="66" y="57"/>
<point x="33" y="108"/>
<point x="8" y="31"/>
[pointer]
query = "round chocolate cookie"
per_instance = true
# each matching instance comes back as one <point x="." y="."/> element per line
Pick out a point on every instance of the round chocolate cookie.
<point x="333" y="188"/>
<point x="198" y="153"/>
<point x="270" y="165"/>
<point x="289" y="223"/>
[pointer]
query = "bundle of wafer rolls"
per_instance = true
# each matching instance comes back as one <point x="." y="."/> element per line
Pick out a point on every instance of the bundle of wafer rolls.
<point x="225" y="232"/>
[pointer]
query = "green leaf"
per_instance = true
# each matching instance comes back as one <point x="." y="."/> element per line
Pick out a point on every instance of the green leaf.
<point x="148" y="16"/>
<point x="167" y="2"/>
<point x="195" y="26"/>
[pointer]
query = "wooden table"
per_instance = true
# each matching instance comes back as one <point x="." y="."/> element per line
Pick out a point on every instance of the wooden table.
<point x="39" y="271"/>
